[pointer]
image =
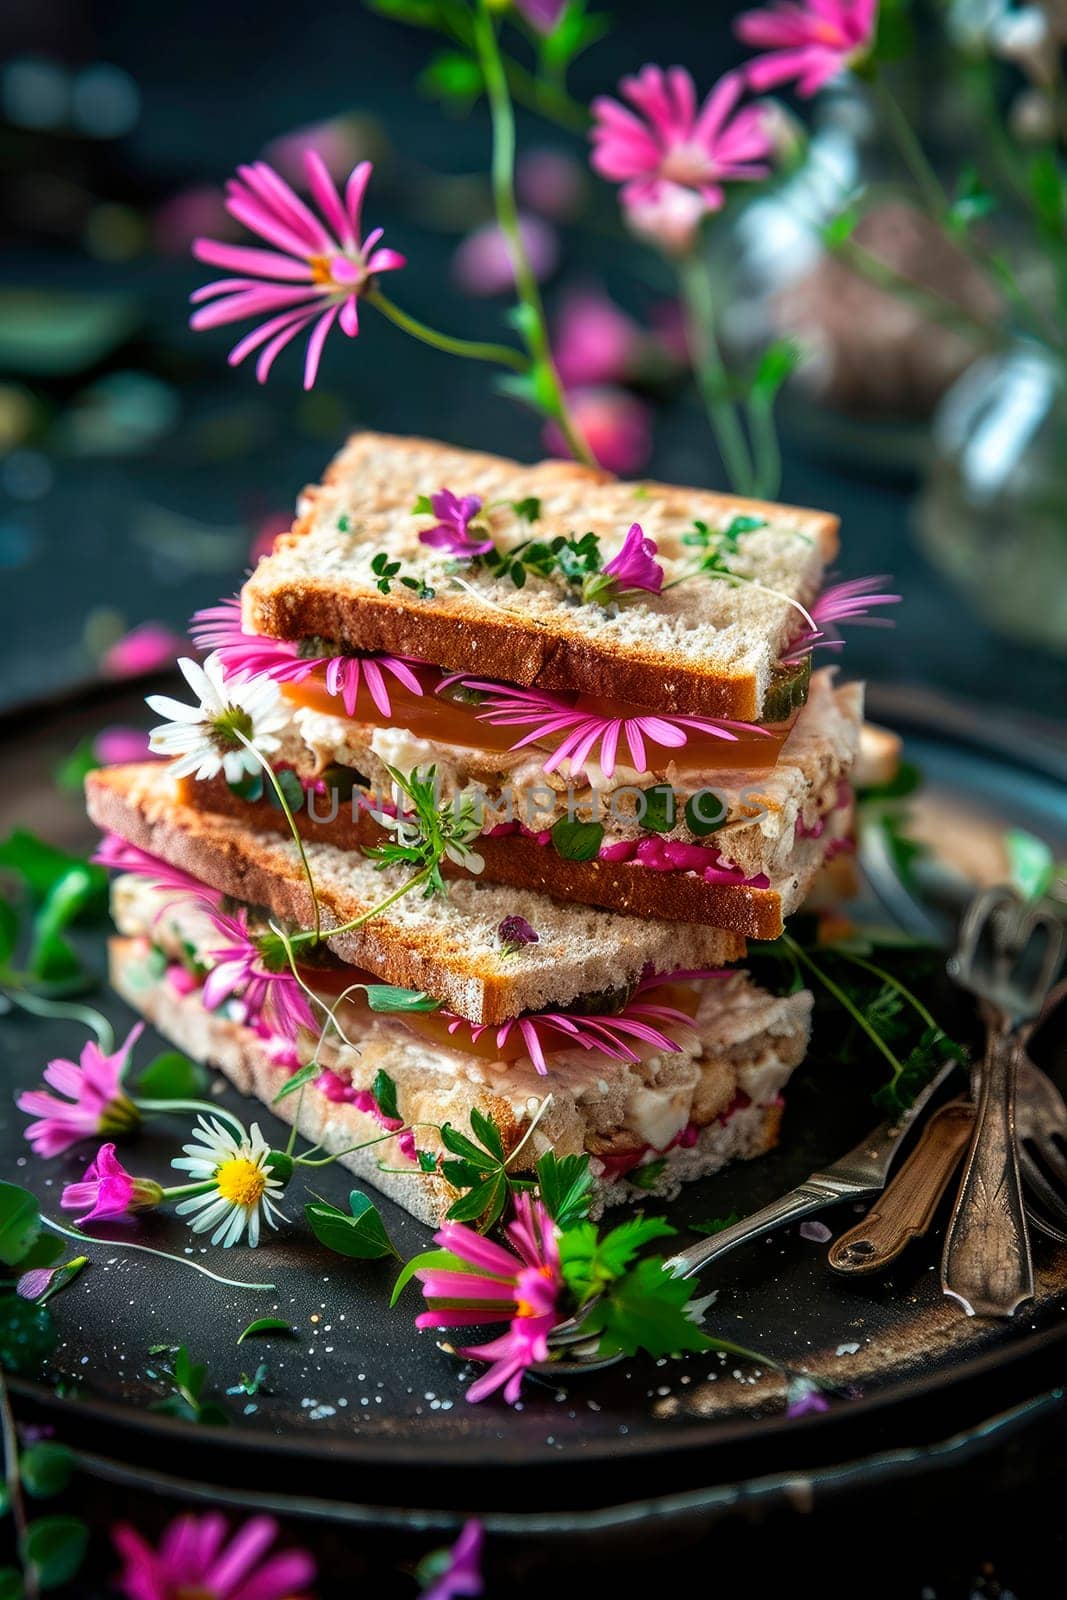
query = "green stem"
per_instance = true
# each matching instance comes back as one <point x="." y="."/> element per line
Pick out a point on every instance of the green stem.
<point x="893" y="983"/>
<point x="325" y="1161"/>
<point x="182" y="1261"/>
<point x="162" y="1108"/>
<point x="68" y="1010"/>
<point x="695" y="281"/>
<point x="9" y="1437"/>
<point x="933" y="306"/>
<point x="294" y="830"/>
<point x="183" y="1191"/>
<point x="475" y="350"/>
<point x="534" y="325"/>
<point x="765" y="448"/>
<point x="844" y="1000"/>
<point x="357" y="922"/>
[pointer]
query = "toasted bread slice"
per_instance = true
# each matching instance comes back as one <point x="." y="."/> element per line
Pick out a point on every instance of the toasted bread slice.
<point x="706" y="647"/>
<point x="725" y="1089"/>
<point x="448" y="947"/>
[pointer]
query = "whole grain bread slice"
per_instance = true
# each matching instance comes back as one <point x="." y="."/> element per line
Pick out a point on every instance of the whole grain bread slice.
<point x="447" y="946"/>
<point x="706" y="647"/>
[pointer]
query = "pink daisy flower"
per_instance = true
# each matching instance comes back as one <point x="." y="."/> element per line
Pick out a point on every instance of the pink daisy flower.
<point x="314" y="273"/>
<point x="250" y="655"/>
<point x="448" y="1574"/>
<point x="109" y="1190"/>
<point x="195" y="1558"/>
<point x="580" y="736"/>
<point x="89" y="1099"/>
<point x="241" y="969"/>
<point x="452" y="530"/>
<point x="118" y="855"/>
<point x="842" y="602"/>
<point x="495" y="1285"/>
<point x="808" y="41"/>
<point x="616" y="426"/>
<point x="669" y="139"/>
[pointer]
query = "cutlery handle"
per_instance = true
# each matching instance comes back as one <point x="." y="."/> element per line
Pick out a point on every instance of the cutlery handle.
<point x="799" y="1202"/>
<point x="986" y="1264"/>
<point x="906" y="1208"/>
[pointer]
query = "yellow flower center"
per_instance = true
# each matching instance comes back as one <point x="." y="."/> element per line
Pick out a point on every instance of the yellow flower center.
<point x="320" y="271"/>
<point x="240" y="1181"/>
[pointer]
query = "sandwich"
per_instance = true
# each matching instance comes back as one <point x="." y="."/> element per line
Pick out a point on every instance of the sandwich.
<point x="571" y="1028"/>
<point x="495" y="770"/>
<point x="632" y="709"/>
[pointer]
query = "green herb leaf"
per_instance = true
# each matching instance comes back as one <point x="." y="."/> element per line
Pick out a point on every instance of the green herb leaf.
<point x="46" y="1469"/>
<point x="291" y="788"/>
<point x="529" y="510"/>
<point x="486" y="1132"/>
<point x="716" y="1224"/>
<point x="589" y="1263"/>
<point x="646" y="1310"/>
<point x="648" y="1174"/>
<point x="427" y="1160"/>
<point x="577" y="841"/>
<point x="566" y="1185"/>
<point x="705" y="812"/>
<point x="660" y="810"/>
<point x="423" y="506"/>
<point x="440" y="1260"/>
<point x="358" y="1234"/>
<point x="172" y="1076"/>
<point x="268" y="1325"/>
<point x="384" y="1091"/>
<point x="54" y="1548"/>
<point x="386" y="998"/>
<point x="298" y="1080"/>
<point x="249" y="786"/>
<point x="20" y="1223"/>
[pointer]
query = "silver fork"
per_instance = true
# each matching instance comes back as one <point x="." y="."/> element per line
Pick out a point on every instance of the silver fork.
<point x="986" y="1264"/>
<point x="1042" y="1120"/>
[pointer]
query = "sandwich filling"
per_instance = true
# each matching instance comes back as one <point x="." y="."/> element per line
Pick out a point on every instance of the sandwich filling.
<point x="633" y="1076"/>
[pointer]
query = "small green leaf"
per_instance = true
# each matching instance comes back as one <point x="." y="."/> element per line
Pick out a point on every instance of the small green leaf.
<point x="648" y="1175"/>
<point x="20" y="1223"/>
<point x="660" y="812"/>
<point x="172" y="1076"/>
<point x="297" y="1081"/>
<point x="577" y="841"/>
<point x="460" y="1145"/>
<point x="486" y="1132"/>
<point x="54" y="1547"/>
<point x="41" y="866"/>
<point x="385" y="998"/>
<point x="70" y="773"/>
<point x="384" y="1091"/>
<point x="46" y="1469"/>
<point x="705" y="812"/>
<point x="442" y="1260"/>
<point x="423" y="506"/>
<point x="267" y="1325"/>
<point x="1032" y="864"/>
<point x="566" y="1185"/>
<point x="360" y="1236"/>
<point x="249" y="786"/>
<point x="50" y="958"/>
<point x="528" y="510"/>
<point x="9" y="930"/>
<point x="291" y="788"/>
<point x="427" y="1160"/>
<point x="716" y="1224"/>
<point x="452" y="77"/>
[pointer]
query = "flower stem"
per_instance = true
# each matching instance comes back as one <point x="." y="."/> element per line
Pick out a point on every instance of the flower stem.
<point x="325" y="1161"/>
<point x="893" y="983"/>
<point x="182" y="1261"/>
<point x="365" y="916"/>
<point x="294" y="830"/>
<point x="695" y="282"/>
<point x="162" y="1108"/>
<point x="475" y="350"/>
<point x="68" y="1010"/>
<point x="549" y="392"/>
<point x="844" y="1000"/>
<point x="13" y="1480"/>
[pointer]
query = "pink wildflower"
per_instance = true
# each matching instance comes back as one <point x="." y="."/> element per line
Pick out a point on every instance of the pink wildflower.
<point x="669" y="140"/>
<point x="119" y="855"/>
<point x="144" y="649"/>
<point x="241" y="969"/>
<point x="89" y="1099"/>
<point x="448" y="1574"/>
<point x="451" y="532"/>
<point x="116" y="745"/>
<point x="595" y="342"/>
<point x="497" y="1286"/>
<point x="551" y="183"/>
<point x="635" y="566"/>
<point x="252" y="655"/>
<point x="615" y="425"/>
<point x="109" y="1190"/>
<point x="194" y="1558"/>
<point x="314" y="274"/>
<point x="842" y="602"/>
<point x="482" y="266"/>
<point x="809" y="41"/>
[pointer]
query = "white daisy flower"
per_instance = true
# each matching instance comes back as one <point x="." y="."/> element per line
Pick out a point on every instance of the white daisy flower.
<point x="243" y="1185"/>
<point x="203" y="738"/>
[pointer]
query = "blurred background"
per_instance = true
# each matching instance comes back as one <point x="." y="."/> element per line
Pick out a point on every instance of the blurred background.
<point x="139" y="475"/>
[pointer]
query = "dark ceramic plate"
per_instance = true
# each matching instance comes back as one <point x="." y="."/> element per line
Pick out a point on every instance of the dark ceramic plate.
<point x="359" y="1409"/>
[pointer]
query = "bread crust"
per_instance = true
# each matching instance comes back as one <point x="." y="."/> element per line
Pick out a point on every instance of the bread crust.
<point x="138" y="803"/>
<point x="462" y="636"/>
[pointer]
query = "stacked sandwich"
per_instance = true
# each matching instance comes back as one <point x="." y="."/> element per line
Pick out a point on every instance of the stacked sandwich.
<point x="562" y="737"/>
